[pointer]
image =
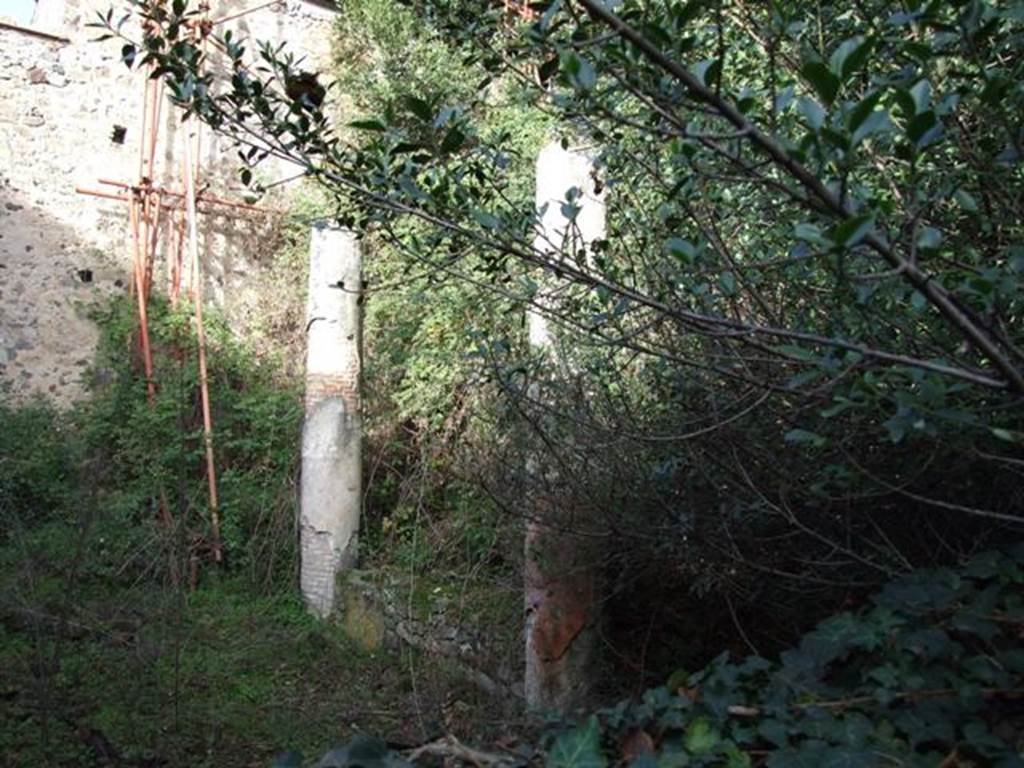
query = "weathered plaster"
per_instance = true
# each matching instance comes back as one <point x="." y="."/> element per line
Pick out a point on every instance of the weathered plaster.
<point x="60" y="251"/>
<point x="331" y="492"/>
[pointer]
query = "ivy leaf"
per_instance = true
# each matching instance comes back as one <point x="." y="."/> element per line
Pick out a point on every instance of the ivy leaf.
<point x="920" y="593"/>
<point x="808" y="755"/>
<point x="700" y="737"/>
<point x="289" y="759"/>
<point x="970" y="624"/>
<point x="851" y="730"/>
<point x="849" y="757"/>
<point x="412" y="189"/>
<point x="578" y="748"/>
<point x="774" y="732"/>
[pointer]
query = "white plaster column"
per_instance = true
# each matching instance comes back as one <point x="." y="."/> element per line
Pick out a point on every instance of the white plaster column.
<point x="331" y="489"/>
<point x="561" y="590"/>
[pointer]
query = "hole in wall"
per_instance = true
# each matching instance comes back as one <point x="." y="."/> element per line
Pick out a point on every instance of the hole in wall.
<point x="117" y="135"/>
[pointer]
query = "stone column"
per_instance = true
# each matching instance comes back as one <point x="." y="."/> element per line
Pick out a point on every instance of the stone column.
<point x="331" y="490"/>
<point x="561" y="590"/>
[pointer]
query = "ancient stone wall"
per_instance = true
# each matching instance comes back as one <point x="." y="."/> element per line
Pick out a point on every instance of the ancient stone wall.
<point x="70" y="114"/>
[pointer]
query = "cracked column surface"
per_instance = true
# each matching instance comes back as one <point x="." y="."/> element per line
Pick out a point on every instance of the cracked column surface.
<point x="561" y="590"/>
<point x="331" y="491"/>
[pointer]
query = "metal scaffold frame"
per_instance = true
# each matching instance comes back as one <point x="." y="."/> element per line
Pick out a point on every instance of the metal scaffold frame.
<point x="162" y="219"/>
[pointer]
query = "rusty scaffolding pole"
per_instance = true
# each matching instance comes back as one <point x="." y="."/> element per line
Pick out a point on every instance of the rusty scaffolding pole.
<point x="151" y="207"/>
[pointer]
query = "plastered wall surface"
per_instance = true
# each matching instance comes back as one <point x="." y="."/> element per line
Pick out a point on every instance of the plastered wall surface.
<point x="62" y="252"/>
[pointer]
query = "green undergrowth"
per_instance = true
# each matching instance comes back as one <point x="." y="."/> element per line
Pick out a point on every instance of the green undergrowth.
<point x="123" y="643"/>
<point x="928" y="673"/>
<point x="220" y="677"/>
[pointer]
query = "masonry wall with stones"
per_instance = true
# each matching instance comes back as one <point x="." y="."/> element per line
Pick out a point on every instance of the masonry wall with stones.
<point x="65" y="102"/>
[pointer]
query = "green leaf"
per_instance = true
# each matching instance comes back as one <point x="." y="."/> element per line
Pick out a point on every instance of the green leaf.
<point x="128" y="54"/>
<point x="921" y="94"/>
<point x="578" y="71"/>
<point x="810" y="233"/>
<point x="453" y="140"/>
<point x="968" y="623"/>
<point x="727" y="282"/>
<point x="966" y="201"/>
<point x="578" y="748"/>
<point x="774" y="732"/>
<point x="289" y="759"/>
<point x="371" y="124"/>
<point x="363" y="749"/>
<point x="849" y="757"/>
<point x="812" y="112"/>
<point x="929" y="239"/>
<point x="808" y="755"/>
<point x="849" y="57"/>
<point x="856" y="116"/>
<point x="824" y="82"/>
<point x="682" y="249"/>
<point x="419" y="108"/>
<point x="412" y="189"/>
<point x="736" y="757"/>
<point x="850" y="232"/>
<point x="548" y="69"/>
<point x="877" y="122"/>
<point x="672" y="756"/>
<point x="708" y="71"/>
<point x="486" y="220"/>
<point x="1007" y="435"/>
<point x="800" y="436"/>
<point x="549" y="15"/>
<point x="796" y="352"/>
<point x="842" y="404"/>
<point x="700" y="737"/>
<point x="924" y="128"/>
<point x="586" y="78"/>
